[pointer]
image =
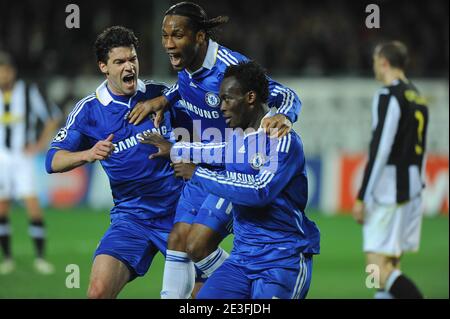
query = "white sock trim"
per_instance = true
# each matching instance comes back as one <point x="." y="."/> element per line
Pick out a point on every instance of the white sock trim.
<point x="210" y="263"/>
<point x="176" y="256"/>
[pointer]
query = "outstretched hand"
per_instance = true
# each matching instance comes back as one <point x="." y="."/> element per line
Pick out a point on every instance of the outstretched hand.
<point x="101" y="150"/>
<point x="184" y="170"/>
<point x="277" y="126"/>
<point x="157" y="140"/>
<point x="144" y="108"/>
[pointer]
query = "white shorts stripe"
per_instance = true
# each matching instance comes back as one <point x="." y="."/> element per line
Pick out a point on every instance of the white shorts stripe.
<point x="299" y="278"/>
<point x="305" y="275"/>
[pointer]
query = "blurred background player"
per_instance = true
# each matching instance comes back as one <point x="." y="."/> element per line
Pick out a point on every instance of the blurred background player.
<point x="389" y="202"/>
<point x="145" y="193"/>
<point x="202" y="220"/>
<point x="27" y="123"/>
<point x="274" y="241"/>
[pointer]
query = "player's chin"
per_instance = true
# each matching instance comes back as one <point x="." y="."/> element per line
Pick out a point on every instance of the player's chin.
<point x="178" y="67"/>
<point x="128" y="90"/>
<point x="229" y="121"/>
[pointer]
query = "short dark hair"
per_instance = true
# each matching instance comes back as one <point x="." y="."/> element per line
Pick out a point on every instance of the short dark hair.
<point x="113" y="37"/>
<point x="395" y="52"/>
<point x="252" y="77"/>
<point x="198" y="18"/>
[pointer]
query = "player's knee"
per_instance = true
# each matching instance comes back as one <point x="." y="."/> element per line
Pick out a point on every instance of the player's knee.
<point x="201" y="242"/>
<point x="197" y="249"/>
<point x="177" y="239"/>
<point x="97" y="290"/>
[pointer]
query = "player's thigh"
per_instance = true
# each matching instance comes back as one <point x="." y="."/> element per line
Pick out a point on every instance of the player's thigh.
<point x="216" y="214"/>
<point x="229" y="281"/>
<point x="129" y="241"/>
<point x="108" y="276"/>
<point x="285" y="283"/>
<point x="189" y="203"/>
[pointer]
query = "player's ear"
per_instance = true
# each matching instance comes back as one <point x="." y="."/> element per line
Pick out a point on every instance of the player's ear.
<point x="103" y="67"/>
<point x="201" y="36"/>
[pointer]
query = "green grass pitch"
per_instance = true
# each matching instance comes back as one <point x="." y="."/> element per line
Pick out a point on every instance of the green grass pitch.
<point x="337" y="273"/>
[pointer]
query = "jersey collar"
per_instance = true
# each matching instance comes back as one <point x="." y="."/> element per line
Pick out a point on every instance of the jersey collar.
<point x="210" y="58"/>
<point x="105" y="97"/>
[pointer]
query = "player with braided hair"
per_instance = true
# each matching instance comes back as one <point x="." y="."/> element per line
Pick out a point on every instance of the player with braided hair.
<point x="202" y="220"/>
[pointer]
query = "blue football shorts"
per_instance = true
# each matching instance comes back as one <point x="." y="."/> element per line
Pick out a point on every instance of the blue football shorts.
<point x="244" y="278"/>
<point x="135" y="242"/>
<point x="196" y="206"/>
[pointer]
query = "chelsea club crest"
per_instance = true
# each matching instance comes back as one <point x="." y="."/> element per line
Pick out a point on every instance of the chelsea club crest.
<point x="257" y="161"/>
<point x="212" y="99"/>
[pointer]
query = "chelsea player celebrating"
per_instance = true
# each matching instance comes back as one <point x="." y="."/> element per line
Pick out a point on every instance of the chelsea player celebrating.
<point x="274" y="240"/>
<point x="201" y="220"/>
<point x="145" y="192"/>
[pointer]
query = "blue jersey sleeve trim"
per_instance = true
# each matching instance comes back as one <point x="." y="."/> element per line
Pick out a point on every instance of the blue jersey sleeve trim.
<point x="49" y="159"/>
<point x="285" y="100"/>
<point x="266" y="186"/>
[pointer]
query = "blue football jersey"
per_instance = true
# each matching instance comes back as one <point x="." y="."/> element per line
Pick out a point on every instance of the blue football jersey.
<point x="142" y="187"/>
<point x="198" y="93"/>
<point x="265" y="179"/>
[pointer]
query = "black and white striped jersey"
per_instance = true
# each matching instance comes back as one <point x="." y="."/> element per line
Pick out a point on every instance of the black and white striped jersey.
<point x="394" y="173"/>
<point x="23" y="112"/>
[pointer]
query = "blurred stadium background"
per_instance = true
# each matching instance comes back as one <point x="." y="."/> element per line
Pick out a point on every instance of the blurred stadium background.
<point x="322" y="49"/>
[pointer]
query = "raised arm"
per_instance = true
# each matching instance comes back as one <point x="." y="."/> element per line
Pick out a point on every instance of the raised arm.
<point x="288" y="106"/>
<point x="60" y="160"/>
<point x="207" y="153"/>
<point x="271" y="180"/>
